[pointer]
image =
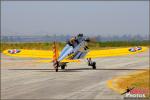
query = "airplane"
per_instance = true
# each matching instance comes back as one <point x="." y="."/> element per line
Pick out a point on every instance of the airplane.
<point x="76" y="48"/>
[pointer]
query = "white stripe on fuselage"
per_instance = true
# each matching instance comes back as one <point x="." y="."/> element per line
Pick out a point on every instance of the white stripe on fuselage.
<point x="65" y="49"/>
<point x="70" y="49"/>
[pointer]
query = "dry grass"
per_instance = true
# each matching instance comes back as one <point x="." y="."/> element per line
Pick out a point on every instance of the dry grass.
<point x="139" y="80"/>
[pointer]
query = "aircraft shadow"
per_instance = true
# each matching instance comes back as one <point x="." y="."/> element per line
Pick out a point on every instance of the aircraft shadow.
<point x="46" y="70"/>
<point x="77" y="69"/>
<point x="104" y="69"/>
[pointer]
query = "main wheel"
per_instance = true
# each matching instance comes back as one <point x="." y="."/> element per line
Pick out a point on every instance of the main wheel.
<point x="94" y="65"/>
<point x="89" y="64"/>
<point x="63" y="67"/>
<point x="56" y="69"/>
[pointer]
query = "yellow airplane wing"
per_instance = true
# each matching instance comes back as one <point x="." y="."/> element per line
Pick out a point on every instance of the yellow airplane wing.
<point x="91" y="54"/>
<point x="31" y="53"/>
<point x="112" y="52"/>
<point x="36" y="54"/>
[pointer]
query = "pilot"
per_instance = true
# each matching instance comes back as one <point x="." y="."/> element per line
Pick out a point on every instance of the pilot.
<point x="73" y="42"/>
<point x="76" y="40"/>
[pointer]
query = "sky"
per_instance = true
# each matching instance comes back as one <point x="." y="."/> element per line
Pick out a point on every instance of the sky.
<point x="68" y="17"/>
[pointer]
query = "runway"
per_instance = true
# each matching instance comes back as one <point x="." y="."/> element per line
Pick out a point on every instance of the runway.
<point x="25" y="78"/>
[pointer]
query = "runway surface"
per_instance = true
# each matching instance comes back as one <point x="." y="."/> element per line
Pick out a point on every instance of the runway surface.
<point x="25" y="78"/>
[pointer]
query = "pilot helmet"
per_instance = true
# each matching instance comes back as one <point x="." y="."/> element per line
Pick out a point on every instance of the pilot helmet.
<point x="72" y="39"/>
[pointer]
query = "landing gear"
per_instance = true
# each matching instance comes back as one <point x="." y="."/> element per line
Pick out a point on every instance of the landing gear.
<point x="58" y="64"/>
<point x="94" y="65"/>
<point x="56" y="69"/>
<point x="91" y="63"/>
<point x="63" y="66"/>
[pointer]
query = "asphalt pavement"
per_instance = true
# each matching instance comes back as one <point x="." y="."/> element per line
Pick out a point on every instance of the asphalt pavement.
<point x="25" y="78"/>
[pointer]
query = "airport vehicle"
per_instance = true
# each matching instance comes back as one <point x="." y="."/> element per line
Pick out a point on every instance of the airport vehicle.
<point x="76" y="48"/>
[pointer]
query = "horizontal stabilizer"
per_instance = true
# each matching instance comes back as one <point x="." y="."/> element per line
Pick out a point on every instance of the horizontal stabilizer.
<point x="67" y="60"/>
<point x="49" y="61"/>
<point x="45" y="61"/>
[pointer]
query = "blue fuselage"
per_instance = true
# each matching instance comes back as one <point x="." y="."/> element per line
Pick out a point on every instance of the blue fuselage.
<point x="77" y="50"/>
